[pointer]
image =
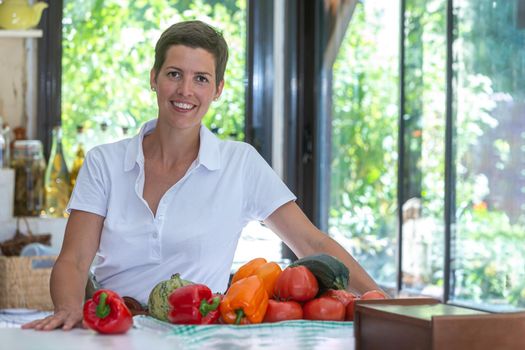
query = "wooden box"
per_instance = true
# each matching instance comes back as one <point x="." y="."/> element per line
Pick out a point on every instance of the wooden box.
<point x="421" y="323"/>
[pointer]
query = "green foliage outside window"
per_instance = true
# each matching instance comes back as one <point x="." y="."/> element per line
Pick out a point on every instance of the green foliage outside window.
<point x="488" y="267"/>
<point x="364" y="144"/>
<point x="108" y="51"/>
<point x="490" y="148"/>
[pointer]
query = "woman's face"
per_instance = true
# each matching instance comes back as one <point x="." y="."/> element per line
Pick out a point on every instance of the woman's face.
<point x="185" y="86"/>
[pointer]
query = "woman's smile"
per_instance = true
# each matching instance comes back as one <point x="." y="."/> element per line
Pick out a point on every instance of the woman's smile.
<point x="182" y="106"/>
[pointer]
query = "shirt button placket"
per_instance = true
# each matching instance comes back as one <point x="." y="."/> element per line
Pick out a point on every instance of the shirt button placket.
<point x="158" y="226"/>
<point x="155" y="245"/>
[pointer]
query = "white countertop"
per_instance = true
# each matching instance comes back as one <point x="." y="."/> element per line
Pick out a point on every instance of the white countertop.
<point x="151" y="334"/>
<point x="80" y="339"/>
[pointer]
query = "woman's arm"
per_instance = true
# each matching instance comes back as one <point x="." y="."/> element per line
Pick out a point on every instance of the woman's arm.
<point x="69" y="275"/>
<point x="297" y="231"/>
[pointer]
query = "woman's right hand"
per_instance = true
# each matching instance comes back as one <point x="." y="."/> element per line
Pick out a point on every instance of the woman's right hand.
<point x="68" y="278"/>
<point x="65" y="319"/>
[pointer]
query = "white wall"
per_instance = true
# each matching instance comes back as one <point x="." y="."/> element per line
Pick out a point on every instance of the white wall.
<point x="13" y="81"/>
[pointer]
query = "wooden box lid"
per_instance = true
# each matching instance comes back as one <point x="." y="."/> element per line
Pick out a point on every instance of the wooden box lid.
<point x="423" y="323"/>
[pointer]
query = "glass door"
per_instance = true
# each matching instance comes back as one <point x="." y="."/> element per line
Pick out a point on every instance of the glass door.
<point x="488" y="265"/>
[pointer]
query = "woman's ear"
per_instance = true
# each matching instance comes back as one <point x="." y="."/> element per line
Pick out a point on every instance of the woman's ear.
<point x="219" y="90"/>
<point x="152" y="79"/>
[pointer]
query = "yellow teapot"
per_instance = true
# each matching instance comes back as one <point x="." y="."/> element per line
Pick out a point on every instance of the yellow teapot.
<point x="18" y="14"/>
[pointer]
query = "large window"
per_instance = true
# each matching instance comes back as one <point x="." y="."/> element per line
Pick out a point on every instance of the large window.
<point x="439" y="210"/>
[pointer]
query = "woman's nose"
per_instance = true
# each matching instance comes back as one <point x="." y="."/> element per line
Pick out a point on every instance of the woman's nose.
<point x="184" y="87"/>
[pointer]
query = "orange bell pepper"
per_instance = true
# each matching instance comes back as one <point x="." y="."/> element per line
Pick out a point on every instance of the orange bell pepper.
<point x="267" y="271"/>
<point x="245" y="302"/>
<point x="248" y="269"/>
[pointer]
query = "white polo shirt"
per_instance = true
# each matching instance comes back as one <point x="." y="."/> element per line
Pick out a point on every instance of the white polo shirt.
<point x="198" y="221"/>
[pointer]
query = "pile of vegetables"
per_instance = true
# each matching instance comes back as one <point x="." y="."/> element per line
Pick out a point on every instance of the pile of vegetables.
<point x="312" y="288"/>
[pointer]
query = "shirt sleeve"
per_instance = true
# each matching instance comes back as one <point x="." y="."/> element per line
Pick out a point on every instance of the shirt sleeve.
<point x="91" y="188"/>
<point x="264" y="190"/>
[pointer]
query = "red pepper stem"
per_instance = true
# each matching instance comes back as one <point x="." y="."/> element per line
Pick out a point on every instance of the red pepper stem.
<point x="240" y="315"/>
<point x="205" y="308"/>
<point x="103" y="308"/>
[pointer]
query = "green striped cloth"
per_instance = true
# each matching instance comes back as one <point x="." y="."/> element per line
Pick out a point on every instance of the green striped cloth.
<point x="288" y="335"/>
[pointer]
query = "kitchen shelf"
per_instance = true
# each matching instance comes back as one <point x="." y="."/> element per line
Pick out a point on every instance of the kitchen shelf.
<point x="27" y="33"/>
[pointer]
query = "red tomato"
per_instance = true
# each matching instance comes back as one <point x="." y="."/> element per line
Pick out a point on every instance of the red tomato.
<point x="347" y="298"/>
<point x="373" y="294"/>
<point x="350" y="309"/>
<point x="324" y="309"/>
<point x="341" y="295"/>
<point x="282" y="311"/>
<point x="296" y="283"/>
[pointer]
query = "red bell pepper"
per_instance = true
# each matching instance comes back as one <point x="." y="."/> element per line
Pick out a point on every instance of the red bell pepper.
<point x="193" y="304"/>
<point x="107" y="313"/>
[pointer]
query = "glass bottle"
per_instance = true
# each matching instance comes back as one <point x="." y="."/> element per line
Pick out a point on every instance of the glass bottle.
<point x="57" y="182"/>
<point x="30" y="166"/>
<point x="5" y="144"/>
<point x="79" y="155"/>
<point x="19" y="134"/>
<point x="104" y="134"/>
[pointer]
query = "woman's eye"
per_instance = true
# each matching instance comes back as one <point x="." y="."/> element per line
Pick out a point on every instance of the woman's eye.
<point x="202" y="79"/>
<point x="173" y="74"/>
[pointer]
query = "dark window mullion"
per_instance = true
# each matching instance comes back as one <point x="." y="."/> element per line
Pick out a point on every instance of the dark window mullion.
<point x="299" y="165"/>
<point x="401" y="147"/>
<point x="291" y="92"/>
<point x="49" y="73"/>
<point x="259" y="89"/>
<point x="449" y="159"/>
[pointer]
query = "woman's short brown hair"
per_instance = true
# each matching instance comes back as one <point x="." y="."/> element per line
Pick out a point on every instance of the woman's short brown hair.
<point x="194" y="34"/>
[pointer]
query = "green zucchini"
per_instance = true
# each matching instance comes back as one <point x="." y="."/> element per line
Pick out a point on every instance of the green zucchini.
<point x="329" y="271"/>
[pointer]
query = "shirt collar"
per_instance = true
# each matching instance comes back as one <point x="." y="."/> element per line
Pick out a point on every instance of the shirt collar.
<point x="209" y="153"/>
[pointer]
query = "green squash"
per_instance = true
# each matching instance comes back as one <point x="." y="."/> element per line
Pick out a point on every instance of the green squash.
<point x="329" y="271"/>
<point x="158" y="306"/>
